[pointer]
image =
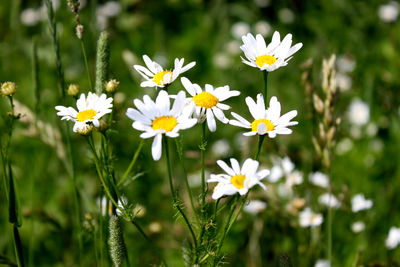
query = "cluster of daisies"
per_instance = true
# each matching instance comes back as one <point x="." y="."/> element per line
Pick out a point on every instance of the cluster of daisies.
<point x="160" y="118"/>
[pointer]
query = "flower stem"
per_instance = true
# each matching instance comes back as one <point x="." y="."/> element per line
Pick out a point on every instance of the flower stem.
<point x="260" y="142"/>
<point x="180" y="155"/>
<point x="265" y="74"/>
<point x="226" y="229"/>
<point x="203" y="180"/>
<point x="133" y="161"/>
<point x="174" y="197"/>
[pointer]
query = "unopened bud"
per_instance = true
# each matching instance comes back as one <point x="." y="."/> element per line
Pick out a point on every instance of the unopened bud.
<point x="79" y="31"/>
<point x="331" y="133"/>
<point x="73" y="89"/>
<point x="111" y="85"/>
<point x="103" y="126"/>
<point x="322" y="134"/>
<point x="8" y="88"/>
<point x="318" y="104"/>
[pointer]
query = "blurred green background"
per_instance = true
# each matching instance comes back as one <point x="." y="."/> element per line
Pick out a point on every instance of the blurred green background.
<point x="366" y="41"/>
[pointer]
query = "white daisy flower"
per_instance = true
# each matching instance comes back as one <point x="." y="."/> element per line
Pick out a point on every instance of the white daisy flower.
<point x="329" y="200"/>
<point x="156" y="76"/>
<point x="393" y="239"/>
<point x="266" y="121"/>
<point x="319" y="179"/>
<point x="207" y="104"/>
<point x="237" y="180"/>
<point x="359" y="202"/>
<point x="90" y="110"/>
<point x="271" y="57"/>
<point x="156" y="118"/>
<point x="308" y="218"/>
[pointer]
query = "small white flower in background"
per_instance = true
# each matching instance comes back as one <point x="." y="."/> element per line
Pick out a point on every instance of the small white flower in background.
<point x="358" y="112"/>
<point x="104" y="12"/>
<point x="222" y="60"/>
<point x="90" y="110"/>
<point x="307" y="218"/>
<point x="358" y="203"/>
<point x="372" y="129"/>
<point x="237" y="180"/>
<point x="108" y="209"/>
<point x="156" y="76"/>
<point x="329" y="200"/>
<point x="271" y="57"/>
<point x="207" y="104"/>
<point x="358" y="227"/>
<point x="322" y="263"/>
<point x="221" y="148"/>
<point x="266" y="121"/>
<point x="286" y="15"/>
<point x="282" y="167"/>
<point x="344" y="146"/>
<point x="389" y="12"/>
<point x="345" y="63"/>
<point x="262" y="27"/>
<point x="319" y="179"/>
<point x="239" y="29"/>
<point x="255" y="206"/>
<point x="343" y="81"/>
<point x="193" y="177"/>
<point x="30" y="17"/>
<point x="233" y="47"/>
<point x="393" y="239"/>
<point x="157" y="118"/>
<point x="262" y="3"/>
<point x="294" y="178"/>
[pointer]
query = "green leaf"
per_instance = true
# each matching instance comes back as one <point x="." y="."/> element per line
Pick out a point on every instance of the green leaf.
<point x="14" y="209"/>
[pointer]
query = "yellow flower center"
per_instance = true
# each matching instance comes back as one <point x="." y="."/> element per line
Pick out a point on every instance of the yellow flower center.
<point x="238" y="181"/>
<point x="166" y="123"/>
<point x="159" y="77"/>
<point x="86" y="115"/>
<point x="265" y="59"/>
<point x="268" y="123"/>
<point x="205" y="100"/>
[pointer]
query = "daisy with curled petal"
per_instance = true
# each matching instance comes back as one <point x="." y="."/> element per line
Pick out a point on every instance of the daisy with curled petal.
<point x="207" y="104"/>
<point x="266" y="121"/>
<point x="90" y="110"/>
<point x="157" y="118"/>
<point x="271" y="57"/>
<point x="156" y="76"/>
<point x="237" y="180"/>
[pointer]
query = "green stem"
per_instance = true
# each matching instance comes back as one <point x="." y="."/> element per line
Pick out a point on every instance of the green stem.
<point x="220" y="243"/>
<point x="86" y="64"/>
<point x="174" y="197"/>
<point x="330" y="225"/>
<point x="203" y="179"/>
<point x="133" y="161"/>
<point x="180" y="155"/>
<point x="265" y="75"/>
<point x="260" y="142"/>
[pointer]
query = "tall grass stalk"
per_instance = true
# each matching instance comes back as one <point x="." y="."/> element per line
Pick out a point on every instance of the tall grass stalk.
<point x="102" y="62"/>
<point x="67" y="135"/>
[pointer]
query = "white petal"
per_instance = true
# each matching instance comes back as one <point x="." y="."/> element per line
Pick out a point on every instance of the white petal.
<point x="156" y="147"/>
<point x="211" y="121"/>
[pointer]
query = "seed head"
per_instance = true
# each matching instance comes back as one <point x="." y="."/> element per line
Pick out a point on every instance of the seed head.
<point x="73" y="89"/>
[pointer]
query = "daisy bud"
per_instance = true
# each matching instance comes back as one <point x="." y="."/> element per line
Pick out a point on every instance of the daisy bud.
<point x="117" y="244"/>
<point x="73" y="89"/>
<point x="111" y="85"/>
<point x="85" y="130"/>
<point x="8" y="88"/>
<point x="79" y="31"/>
<point x="103" y="126"/>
